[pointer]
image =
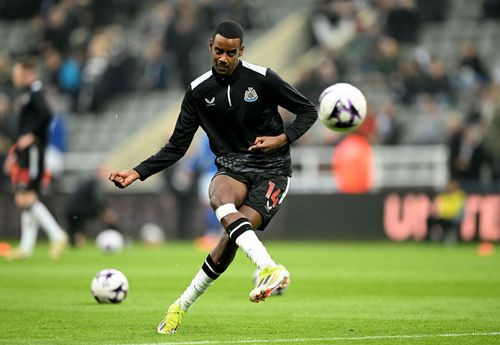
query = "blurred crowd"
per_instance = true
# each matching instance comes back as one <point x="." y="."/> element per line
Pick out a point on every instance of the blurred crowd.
<point x="417" y="97"/>
<point x="93" y="50"/>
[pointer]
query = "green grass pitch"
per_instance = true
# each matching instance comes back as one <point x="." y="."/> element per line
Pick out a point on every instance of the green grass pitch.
<point x="340" y="293"/>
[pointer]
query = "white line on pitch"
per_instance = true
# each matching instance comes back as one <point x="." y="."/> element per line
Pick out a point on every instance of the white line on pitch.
<point x="368" y="337"/>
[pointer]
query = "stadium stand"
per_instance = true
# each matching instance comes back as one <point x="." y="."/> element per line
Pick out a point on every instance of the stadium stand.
<point x="386" y="72"/>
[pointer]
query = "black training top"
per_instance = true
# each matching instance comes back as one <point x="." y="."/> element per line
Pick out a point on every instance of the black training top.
<point x="34" y="114"/>
<point x="234" y="110"/>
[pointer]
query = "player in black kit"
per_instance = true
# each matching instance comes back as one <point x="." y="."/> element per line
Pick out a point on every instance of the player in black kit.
<point x="236" y="104"/>
<point x="25" y="163"/>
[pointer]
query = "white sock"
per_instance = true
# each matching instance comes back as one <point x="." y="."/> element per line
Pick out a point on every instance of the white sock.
<point x="47" y="222"/>
<point x="254" y="249"/>
<point x="29" y="232"/>
<point x="200" y="283"/>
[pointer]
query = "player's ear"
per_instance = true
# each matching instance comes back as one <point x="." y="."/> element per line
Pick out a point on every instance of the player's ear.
<point x="210" y="44"/>
<point x="242" y="49"/>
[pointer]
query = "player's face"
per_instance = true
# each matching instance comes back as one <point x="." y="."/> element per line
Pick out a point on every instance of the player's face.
<point x="225" y="53"/>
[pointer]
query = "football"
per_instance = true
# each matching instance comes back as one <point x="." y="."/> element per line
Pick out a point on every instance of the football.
<point x="342" y="107"/>
<point x="109" y="286"/>
<point x="109" y="241"/>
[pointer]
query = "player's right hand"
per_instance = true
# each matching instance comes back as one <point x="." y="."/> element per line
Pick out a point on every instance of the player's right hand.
<point x="123" y="178"/>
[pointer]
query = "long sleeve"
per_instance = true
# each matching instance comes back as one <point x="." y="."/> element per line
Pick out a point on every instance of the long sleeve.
<point x="292" y="100"/>
<point x="176" y="147"/>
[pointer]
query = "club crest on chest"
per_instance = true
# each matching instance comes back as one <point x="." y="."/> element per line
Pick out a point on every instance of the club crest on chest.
<point x="250" y="95"/>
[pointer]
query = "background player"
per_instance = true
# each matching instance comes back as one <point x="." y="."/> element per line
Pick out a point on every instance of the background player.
<point x="25" y="163"/>
<point x="236" y="103"/>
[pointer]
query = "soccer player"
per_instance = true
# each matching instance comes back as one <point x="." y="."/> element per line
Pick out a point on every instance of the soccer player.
<point x="236" y="104"/>
<point x="25" y="163"/>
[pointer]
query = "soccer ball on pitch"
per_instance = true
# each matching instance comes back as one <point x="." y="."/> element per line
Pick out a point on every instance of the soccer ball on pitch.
<point x="342" y="107"/>
<point x="109" y="286"/>
<point x="109" y="241"/>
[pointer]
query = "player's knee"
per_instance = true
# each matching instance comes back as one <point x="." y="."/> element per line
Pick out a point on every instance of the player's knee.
<point x="217" y="200"/>
<point x="225" y="210"/>
<point x="25" y="200"/>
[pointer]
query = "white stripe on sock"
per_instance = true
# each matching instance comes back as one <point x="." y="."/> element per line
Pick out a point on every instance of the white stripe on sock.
<point x="239" y="226"/>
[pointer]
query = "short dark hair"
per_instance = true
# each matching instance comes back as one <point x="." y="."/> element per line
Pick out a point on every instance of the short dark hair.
<point x="229" y="29"/>
<point x="27" y="62"/>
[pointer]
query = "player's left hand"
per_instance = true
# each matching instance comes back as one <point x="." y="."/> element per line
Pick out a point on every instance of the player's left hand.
<point x="268" y="144"/>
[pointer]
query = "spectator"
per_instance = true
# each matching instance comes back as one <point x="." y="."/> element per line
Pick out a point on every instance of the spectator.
<point x="314" y="82"/>
<point x="87" y="202"/>
<point x="215" y="11"/>
<point x="387" y="59"/>
<point x="438" y="84"/>
<point x="333" y="23"/>
<point x="429" y="128"/>
<point x="468" y="157"/>
<point x="387" y="127"/>
<point x="491" y="9"/>
<point x="57" y="28"/>
<point x="155" y="71"/>
<point x="107" y="71"/>
<point x="472" y="69"/>
<point x="403" y="22"/>
<point x="159" y="19"/>
<point x="410" y="82"/>
<point x="181" y="38"/>
<point x="433" y="11"/>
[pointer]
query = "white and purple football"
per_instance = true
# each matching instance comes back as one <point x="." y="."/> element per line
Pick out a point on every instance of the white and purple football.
<point x="342" y="107"/>
<point x="109" y="286"/>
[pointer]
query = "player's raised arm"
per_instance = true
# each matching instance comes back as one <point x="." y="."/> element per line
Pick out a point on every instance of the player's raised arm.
<point x="123" y="178"/>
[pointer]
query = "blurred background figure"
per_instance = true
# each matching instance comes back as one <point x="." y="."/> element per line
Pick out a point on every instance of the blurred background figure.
<point x="468" y="158"/>
<point x="26" y="163"/>
<point x="203" y="164"/>
<point x="444" y="222"/>
<point x="421" y="64"/>
<point x="182" y="37"/>
<point x="88" y="202"/>
<point x="152" y="235"/>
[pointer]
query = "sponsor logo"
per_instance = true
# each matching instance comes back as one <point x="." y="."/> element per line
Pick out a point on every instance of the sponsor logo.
<point x="250" y="95"/>
<point x="210" y="102"/>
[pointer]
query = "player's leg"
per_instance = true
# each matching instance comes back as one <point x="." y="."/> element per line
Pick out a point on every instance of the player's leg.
<point x="29" y="231"/>
<point x="57" y="237"/>
<point x="226" y="197"/>
<point x="264" y="199"/>
<point x="34" y="214"/>
<point x="239" y="224"/>
<point x="214" y="265"/>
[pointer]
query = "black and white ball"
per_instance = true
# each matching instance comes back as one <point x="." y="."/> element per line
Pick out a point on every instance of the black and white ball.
<point x="109" y="286"/>
<point x="342" y="107"/>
